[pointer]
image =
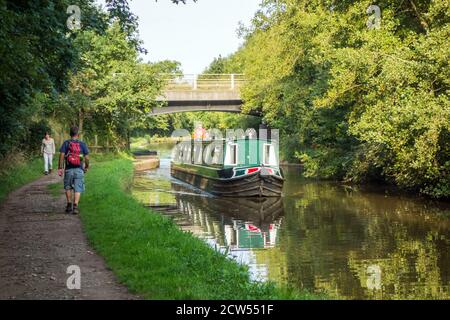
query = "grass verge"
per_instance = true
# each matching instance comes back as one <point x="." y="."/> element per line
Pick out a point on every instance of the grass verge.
<point x="150" y="255"/>
<point x="19" y="175"/>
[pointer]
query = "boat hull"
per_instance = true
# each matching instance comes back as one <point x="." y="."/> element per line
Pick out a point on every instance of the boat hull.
<point x="260" y="210"/>
<point x="252" y="185"/>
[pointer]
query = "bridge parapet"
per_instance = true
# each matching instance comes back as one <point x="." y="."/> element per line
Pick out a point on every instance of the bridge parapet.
<point x="205" y="92"/>
<point x="203" y="82"/>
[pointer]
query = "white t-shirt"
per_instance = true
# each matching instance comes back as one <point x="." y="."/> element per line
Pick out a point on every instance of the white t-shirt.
<point x="48" y="146"/>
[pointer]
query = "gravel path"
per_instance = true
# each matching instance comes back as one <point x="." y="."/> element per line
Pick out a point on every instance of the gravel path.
<point x="38" y="242"/>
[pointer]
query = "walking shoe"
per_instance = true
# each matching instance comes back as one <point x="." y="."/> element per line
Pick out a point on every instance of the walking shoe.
<point x="69" y="208"/>
<point x="50" y="171"/>
<point x="75" y="209"/>
<point x="46" y="173"/>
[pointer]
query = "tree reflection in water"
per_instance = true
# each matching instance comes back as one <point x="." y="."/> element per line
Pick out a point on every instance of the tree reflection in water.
<point x="324" y="237"/>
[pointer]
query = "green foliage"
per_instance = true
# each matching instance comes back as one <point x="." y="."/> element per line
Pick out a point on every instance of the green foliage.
<point x="182" y="1"/>
<point x="38" y="54"/>
<point x="111" y="88"/>
<point x="119" y="10"/>
<point x="227" y="65"/>
<point x="36" y="133"/>
<point x="356" y="103"/>
<point x="18" y="172"/>
<point x="29" y="62"/>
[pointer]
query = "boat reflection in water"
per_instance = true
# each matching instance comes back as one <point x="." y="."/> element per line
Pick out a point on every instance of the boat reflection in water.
<point x="237" y="227"/>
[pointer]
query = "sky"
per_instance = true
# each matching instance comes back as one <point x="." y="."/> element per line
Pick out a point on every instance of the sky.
<point x="194" y="33"/>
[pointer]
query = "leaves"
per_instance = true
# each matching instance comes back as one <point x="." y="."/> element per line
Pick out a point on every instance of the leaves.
<point x="116" y="90"/>
<point x="351" y="102"/>
<point x="38" y="56"/>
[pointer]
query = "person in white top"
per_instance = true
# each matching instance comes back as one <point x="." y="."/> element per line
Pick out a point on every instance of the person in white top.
<point x="48" y="150"/>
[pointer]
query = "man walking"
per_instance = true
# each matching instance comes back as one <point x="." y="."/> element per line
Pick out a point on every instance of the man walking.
<point x="74" y="155"/>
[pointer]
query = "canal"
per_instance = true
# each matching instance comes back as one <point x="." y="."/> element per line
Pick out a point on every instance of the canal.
<point x="346" y="242"/>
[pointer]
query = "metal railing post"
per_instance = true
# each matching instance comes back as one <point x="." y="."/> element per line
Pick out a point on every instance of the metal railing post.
<point x="195" y="84"/>
<point x="204" y="82"/>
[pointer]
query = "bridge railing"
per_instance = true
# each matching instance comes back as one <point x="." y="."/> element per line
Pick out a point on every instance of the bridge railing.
<point x="203" y="82"/>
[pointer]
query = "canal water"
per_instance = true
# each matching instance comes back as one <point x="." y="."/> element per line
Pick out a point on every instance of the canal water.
<point x="346" y="242"/>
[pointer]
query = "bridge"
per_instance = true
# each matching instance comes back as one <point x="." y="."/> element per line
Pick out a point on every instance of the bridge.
<point x="206" y="92"/>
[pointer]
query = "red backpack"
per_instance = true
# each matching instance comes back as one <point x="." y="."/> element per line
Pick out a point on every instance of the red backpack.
<point x="73" y="154"/>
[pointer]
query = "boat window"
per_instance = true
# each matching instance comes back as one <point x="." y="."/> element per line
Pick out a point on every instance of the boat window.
<point x="268" y="151"/>
<point x="233" y="154"/>
<point x="217" y="155"/>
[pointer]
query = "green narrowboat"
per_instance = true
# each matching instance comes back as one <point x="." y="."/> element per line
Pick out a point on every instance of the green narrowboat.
<point x="237" y="168"/>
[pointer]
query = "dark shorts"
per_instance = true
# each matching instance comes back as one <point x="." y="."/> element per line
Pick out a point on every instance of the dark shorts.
<point x="74" y="179"/>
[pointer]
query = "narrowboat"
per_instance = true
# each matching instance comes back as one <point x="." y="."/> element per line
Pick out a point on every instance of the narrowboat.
<point x="236" y="168"/>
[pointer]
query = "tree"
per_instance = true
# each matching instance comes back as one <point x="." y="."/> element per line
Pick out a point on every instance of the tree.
<point x="37" y="57"/>
<point x="355" y="103"/>
<point x="112" y="87"/>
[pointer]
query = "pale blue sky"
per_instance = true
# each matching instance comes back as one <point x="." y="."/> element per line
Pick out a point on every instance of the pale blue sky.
<point x="193" y="34"/>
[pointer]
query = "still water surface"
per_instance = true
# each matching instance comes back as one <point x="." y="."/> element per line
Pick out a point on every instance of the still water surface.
<point x="323" y="237"/>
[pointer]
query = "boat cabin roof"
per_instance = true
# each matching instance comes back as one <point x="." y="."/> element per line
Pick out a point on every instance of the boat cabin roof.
<point x="230" y="153"/>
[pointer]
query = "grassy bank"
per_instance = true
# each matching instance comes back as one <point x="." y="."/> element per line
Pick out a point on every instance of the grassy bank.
<point x="139" y="143"/>
<point x="148" y="252"/>
<point x="20" y="174"/>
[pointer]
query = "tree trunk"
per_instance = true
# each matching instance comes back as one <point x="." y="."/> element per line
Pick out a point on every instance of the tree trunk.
<point x="80" y="122"/>
<point x="127" y="130"/>
<point x="419" y="16"/>
<point x="128" y="140"/>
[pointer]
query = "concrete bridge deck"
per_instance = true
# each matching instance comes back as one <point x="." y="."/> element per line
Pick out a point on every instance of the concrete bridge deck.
<point x="206" y="92"/>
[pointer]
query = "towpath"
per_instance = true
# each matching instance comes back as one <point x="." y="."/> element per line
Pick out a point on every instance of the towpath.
<point x="38" y="242"/>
